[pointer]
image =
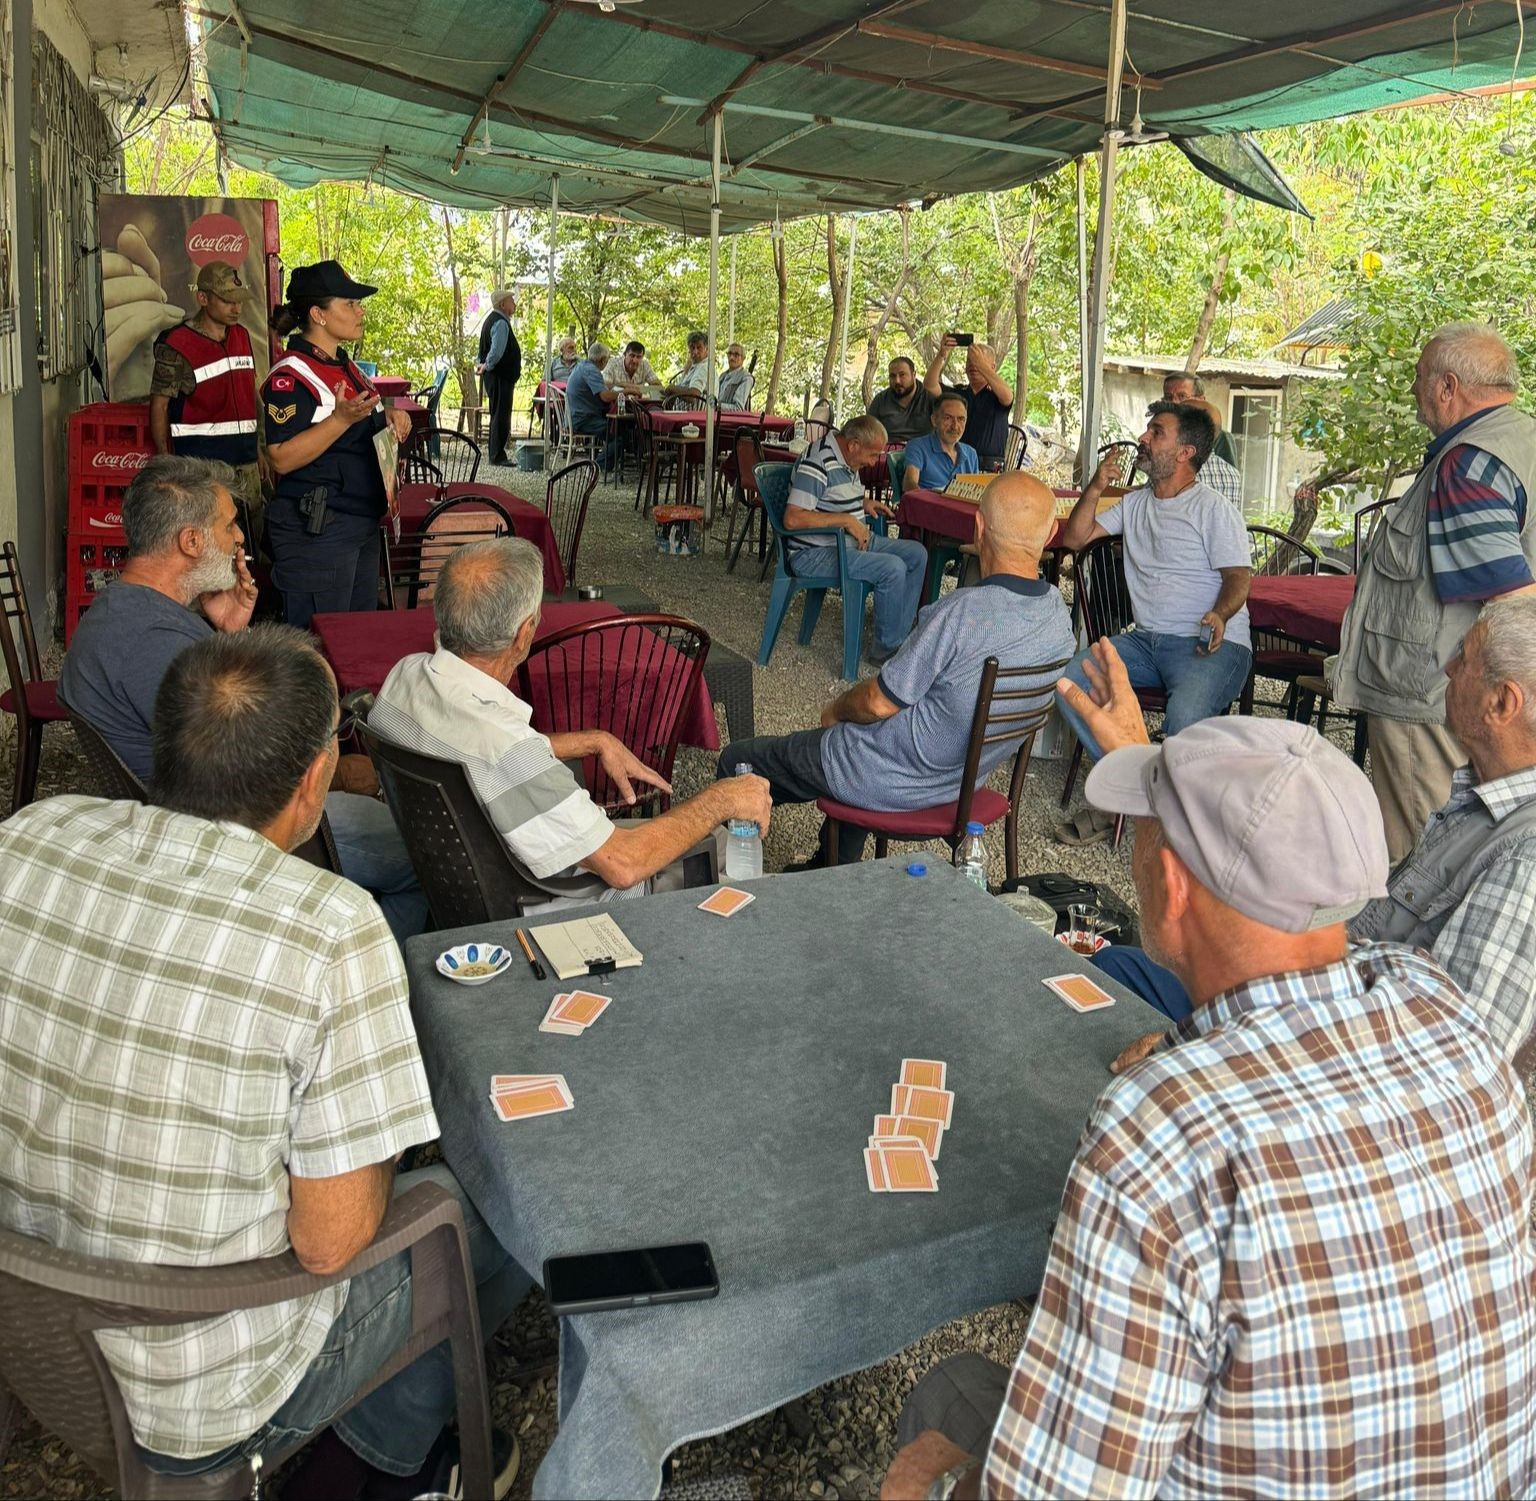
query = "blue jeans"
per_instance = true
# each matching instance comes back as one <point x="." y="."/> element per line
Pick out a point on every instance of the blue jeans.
<point x="394" y="1427"/>
<point x="597" y="427"/>
<point x="373" y="856"/>
<point x="895" y="566"/>
<point x="1197" y="687"/>
<point x="1158" y="987"/>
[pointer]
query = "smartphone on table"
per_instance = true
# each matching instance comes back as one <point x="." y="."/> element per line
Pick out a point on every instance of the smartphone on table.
<point x="594" y="1281"/>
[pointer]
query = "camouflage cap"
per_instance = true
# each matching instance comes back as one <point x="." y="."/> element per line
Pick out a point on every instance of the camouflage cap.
<point x="220" y="279"/>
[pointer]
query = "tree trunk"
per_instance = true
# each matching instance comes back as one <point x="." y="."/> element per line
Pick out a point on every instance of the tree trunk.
<point x="781" y="272"/>
<point x="463" y="370"/>
<point x="1021" y="325"/>
<point x="877" y="328"/>
<point x="839" y="297"/>
<point x="1213" y="292"/>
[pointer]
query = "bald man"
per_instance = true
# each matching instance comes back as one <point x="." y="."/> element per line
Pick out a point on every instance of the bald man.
<point x="897" y="741"/>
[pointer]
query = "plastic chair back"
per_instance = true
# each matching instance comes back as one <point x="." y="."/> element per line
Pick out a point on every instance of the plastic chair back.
<point x="114" y="774"/>
<point x="566" y="498"/>
<point x="896" y="462"/>
<point x="634" y="677"/>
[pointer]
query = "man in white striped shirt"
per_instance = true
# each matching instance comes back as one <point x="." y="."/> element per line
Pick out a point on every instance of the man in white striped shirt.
<point x="826" y="495"/>
<point x="454" y="704"/>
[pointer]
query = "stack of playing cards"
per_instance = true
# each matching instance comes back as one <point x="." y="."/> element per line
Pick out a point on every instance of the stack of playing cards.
<point x="726" y="902"/>
<point x="573" y="1011"/>
<point x="1079" y="992"/>
<point x="905" y="1145"/>
<point x="520" y="1097"/>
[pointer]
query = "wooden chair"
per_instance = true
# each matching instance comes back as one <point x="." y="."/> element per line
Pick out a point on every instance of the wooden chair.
<point x="634" y="677"/>
<point x="31" y="699"/>
<point x="572" y="446"/>
<point x="745" y="498"/>
<point x="566" y="498"/>
<point x="414" y="559"/>
<point x="1007" y="716"/>
<point x="52" y="1302"/>
<point x="472" y="422"/>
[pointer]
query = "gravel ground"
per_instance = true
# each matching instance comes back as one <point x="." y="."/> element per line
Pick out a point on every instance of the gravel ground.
<point x="839" y="1439"/>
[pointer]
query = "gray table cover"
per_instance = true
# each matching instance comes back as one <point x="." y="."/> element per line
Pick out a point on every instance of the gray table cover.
<point x="726" y="1095"/>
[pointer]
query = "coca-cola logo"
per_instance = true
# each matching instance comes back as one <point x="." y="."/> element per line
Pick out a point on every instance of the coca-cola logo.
<point x="216" y="237"/>
<point x="112" y="521"/>
<point x="133" y="461"/>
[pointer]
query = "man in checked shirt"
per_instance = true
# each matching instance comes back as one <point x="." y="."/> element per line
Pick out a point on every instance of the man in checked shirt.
<point x="1294" y="1256"/>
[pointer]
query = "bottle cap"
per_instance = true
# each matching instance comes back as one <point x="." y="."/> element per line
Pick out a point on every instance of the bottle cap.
<point x="975" y="828"/>
<point x="917" y="868"/>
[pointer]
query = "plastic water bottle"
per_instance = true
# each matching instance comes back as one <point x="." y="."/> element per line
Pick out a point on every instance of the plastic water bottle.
<point x="800" y="431"/>
<point x="973" y="855"/>
<point x="744" y="848"/>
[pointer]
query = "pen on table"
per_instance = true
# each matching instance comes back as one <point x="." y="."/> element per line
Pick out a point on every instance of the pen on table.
<point x="533" y="964"/>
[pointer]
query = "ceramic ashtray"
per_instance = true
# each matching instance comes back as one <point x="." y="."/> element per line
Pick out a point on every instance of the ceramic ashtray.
<point x="690" y="431"/>
<point x="473" y="963"/>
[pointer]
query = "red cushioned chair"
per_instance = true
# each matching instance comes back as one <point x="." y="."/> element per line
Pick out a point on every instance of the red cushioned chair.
<point x="33" y="700"/>
<point x="1004" y="715"/>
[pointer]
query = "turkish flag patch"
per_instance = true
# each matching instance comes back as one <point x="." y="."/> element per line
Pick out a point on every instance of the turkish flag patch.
<point x="282" y="383"/>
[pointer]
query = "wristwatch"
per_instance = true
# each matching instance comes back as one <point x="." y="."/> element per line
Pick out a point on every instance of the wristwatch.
<point x="944" y="1487"/>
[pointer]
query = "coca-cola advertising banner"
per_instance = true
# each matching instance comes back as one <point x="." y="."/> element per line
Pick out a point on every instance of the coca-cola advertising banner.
<point x="153" y="246"/>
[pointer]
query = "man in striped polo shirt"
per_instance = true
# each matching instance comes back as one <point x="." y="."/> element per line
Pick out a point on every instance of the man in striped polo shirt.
<point x="826" y="492"/>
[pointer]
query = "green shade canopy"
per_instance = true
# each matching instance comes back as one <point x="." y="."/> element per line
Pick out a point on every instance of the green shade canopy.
<point x="828" y="104"/>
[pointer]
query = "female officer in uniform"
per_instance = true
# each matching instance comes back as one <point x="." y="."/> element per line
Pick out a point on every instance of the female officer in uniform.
<point x="321" y="415"/>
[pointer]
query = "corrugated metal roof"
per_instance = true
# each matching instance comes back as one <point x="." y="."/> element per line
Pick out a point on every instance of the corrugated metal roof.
<point x="1332" y="326"/>
<point x="1168" y="364"/>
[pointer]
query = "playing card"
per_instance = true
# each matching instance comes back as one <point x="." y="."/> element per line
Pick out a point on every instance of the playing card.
<point x="580" y="1008"/>
<point x="927" y="1072"/>
<point x="513" y="1083"/>
<point x="929" y="1132"/>
<point x="929" y="1104"/>
<point x="907" y="1168"/>
<point x="726" y="902"/>
<point x="874" y="1171"/>
<point x="1080" y="993"/>
<point x="548" y="1098"/>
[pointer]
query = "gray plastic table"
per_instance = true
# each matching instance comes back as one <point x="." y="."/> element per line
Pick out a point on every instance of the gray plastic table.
<point x="726" y="1096"/>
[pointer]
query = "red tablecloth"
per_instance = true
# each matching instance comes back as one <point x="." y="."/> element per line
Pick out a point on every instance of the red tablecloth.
<point x="671" y="422"/>
<point x="415" y="410"/>
<point x="391" y="385"/>
<point x="1306" y="607"/>
<point x="938" y="515"/>
<point x="362" y="646"/>
<point x="528" y="520"/>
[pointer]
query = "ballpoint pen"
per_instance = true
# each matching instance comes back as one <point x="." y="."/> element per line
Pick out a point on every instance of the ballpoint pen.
<point x="533" y="963"/>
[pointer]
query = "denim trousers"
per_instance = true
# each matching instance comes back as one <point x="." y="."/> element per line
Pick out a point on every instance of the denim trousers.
<point x="394" y="1427"/>
<point x="895" y="566"/>
<point x="373" y="856"/>
<point x="1197" y="687"/>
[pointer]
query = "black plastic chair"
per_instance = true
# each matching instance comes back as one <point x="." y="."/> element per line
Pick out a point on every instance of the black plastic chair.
<point x="1018" y="447"/>
<point x="440" y="456"/>
<point x="566" y="498"/>
<point x="1125" y="454"/>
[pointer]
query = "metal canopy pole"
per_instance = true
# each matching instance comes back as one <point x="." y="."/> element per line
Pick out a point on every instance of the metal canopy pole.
<point x="549" y="316"/>
<point x="1093" y="366"/>
<point x="730" y="330"/>
<point x="714" y="297"/>
<point x="842" y="338"/>
<point x="1082" y="281"/>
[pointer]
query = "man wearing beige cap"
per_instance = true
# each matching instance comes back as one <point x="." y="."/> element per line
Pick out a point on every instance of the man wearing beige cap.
<point x="202" y="397"/>
<point x="1294" y="1254"/>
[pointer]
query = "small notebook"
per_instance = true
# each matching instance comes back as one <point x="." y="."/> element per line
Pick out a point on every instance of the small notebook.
<point x="586" y="946"/>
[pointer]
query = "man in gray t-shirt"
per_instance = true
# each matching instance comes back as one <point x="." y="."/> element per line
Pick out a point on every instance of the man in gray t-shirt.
<point x="904" y="408"/>
<point x="1187" y="568"/>
<point x="897" y="742"/>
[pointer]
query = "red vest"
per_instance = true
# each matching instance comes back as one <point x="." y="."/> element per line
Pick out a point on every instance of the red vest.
<point x="321" y="377"/>
<point x="217" y="420"/>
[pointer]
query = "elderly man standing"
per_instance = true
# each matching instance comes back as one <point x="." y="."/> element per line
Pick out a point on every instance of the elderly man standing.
<point x="697" y="376"/>
<point x="1187" y="567"/>
<point x="218" y="1064"/>
<point x="500" y="367"/>
<point x="184" y="580"/>
<point x="988" y="398"/>
<point x="898" y="741"/>
<point x="735" y="392"/>
<point x="454" y="704"/>
<point x="826" y="490"/>
<point x="1461" y="536"/>
<point x="904" y="408"/>
<point x="1294" y="1255"/>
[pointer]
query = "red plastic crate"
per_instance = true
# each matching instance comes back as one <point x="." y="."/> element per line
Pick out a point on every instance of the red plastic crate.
<point x="92" y="564"/>
<point x="109" y="439"/>
<point x="96" y="507"/>
<point x="74" y="607"/>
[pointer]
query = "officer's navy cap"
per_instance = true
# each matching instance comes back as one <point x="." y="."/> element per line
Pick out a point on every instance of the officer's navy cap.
<point x="324" y="279"/>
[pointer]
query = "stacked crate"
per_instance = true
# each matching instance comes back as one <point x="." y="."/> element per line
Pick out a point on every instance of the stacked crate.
<point x="108" y="444"/>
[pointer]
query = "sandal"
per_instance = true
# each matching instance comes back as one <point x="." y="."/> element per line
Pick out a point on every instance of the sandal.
<point x="1087" y="826"/>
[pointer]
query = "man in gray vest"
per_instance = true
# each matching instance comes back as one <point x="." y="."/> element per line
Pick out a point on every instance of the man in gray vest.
<point x="1467" y="893"/>
<point x="1460" y="537"/>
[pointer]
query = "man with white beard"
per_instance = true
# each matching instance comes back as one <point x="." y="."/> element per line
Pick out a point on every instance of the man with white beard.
<point x="185" y="578"/>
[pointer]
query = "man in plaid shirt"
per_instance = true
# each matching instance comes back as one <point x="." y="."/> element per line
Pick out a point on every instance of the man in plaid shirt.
<point x="1294" y="1256"/>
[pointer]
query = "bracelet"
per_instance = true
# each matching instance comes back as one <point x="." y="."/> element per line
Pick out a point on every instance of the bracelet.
<point x="945" y="1486"/>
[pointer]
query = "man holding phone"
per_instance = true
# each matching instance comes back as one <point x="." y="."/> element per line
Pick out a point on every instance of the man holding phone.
<point x="1187" y="567"/>
<point x="988" y="397"/>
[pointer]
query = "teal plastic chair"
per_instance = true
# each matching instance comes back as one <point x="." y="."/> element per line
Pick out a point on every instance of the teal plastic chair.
<point x="942" y="554"/>
<point x="896" y="463"/>
<point x="773" y="486"/>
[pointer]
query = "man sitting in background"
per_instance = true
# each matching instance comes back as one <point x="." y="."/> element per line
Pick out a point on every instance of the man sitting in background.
<point x="904" y="408"/>
<point x="736" y="384"/>
<point x="695" y="378"/>
<point x="931" y="461"/>
<point x="184" y="579"/>
<point x="898" y="741"/>
<point x="1467" y="892"/>
<point x="1184" y="388"/>
<point x="1220" y="474"/>
<point x="208" y="1058"/>
<point x="826" y="491"/>
<point x="588" y="398"/>
<point x="565" y="361"/>
<point x="631" y="371"/>
<point x="454" y="704"/>
<point x="1294" y="1255"/>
